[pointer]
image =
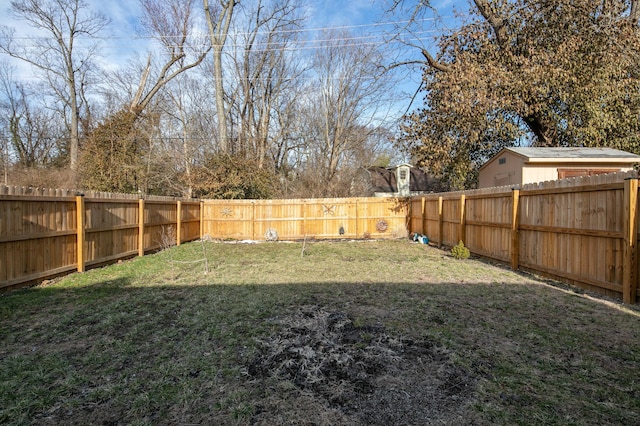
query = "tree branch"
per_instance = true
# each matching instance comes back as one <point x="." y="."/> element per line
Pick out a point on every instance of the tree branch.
<point x="634" y="14"/>
<point x="432" y="62"/>
<point x="496" y="22"/>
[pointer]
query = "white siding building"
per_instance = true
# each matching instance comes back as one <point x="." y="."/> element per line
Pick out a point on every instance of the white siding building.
<point x="522" y="165"/>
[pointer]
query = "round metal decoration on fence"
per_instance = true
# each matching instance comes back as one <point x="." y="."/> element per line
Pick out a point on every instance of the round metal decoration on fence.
<point x="382" y="225"/>
<point x="271" y="235"/>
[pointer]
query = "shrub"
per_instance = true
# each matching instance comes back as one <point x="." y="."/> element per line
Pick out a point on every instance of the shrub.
<point x="232" y="176"/>
<point x="112" y="157"/>
<point x="460" y="251"/>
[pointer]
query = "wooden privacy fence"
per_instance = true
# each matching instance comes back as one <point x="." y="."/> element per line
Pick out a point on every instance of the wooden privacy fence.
<point x="47" y="233"/>
<point x="583" y="231"/>
<point x="319" y="218"/>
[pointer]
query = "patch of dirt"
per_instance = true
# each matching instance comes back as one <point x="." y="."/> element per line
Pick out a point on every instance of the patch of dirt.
<point x="348" y="373"/>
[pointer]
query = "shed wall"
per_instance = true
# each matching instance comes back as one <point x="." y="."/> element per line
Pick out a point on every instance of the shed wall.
<point x="495" y="173"/>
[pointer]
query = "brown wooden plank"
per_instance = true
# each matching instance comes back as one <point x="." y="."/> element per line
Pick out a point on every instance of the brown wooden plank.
<point x="141" y="226"/>
<point x="80" y="248"/>
<point x="515" y="229"/>
<point x="574" y="226"/>
<point x="630" y="277"/>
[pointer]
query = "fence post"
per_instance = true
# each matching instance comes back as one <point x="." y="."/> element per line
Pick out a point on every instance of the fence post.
<point x="630" y="276"/>
<point x="201" y="219"/>
<point x="179" y="224"/>
<point x="440" y="221"/>
<point x="253" y="220"/>
<point x="424" y="205"/>
<point x="515" y="225"/>
<point x="141" y="227"/>
<point x="357" y="217"/>
<point x="408" y="210"/>
<point x="80" y="231"/>
<point x="462" y="219"/>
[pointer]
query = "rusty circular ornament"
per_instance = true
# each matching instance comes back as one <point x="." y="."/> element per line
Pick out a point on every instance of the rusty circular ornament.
<point x="382" y="225"/>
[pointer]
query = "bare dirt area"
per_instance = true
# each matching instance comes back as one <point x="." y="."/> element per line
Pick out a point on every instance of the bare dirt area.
<point x="348" y="373"/>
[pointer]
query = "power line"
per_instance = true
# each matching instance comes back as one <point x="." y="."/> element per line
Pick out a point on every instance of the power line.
<point x="283" y="31"/>
<point x="296" y="46"/>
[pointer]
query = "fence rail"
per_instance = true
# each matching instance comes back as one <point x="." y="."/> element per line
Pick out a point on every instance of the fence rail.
<point x="320" y="218"/>
<point x="44" y="234"/>
<point x="583" y="231"/>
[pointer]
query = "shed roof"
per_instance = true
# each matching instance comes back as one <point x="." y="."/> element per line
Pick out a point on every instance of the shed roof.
<point x="572" y="153"/>
<point x="569" y="155"/>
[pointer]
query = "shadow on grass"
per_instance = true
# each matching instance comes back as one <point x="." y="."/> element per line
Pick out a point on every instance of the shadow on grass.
<point x="124" y="351"/>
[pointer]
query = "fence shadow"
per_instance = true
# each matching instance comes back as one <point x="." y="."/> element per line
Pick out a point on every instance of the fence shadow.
<point x="113" y="349"/>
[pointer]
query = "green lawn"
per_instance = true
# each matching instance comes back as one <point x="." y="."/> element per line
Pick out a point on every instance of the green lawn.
<point x="371" y="332"/>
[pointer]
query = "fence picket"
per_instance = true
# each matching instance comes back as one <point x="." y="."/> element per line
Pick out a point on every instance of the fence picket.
<point x="581" y="230"/>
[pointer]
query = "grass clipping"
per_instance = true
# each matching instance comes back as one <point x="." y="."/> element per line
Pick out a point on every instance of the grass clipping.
<point x="360" y="371"/>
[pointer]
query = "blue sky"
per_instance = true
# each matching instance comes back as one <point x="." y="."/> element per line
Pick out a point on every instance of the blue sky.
<point x="321" y="13"/>
<point x="357" y="15"/>
<point x="363" y="17"/>
<point x="367" y="11"/>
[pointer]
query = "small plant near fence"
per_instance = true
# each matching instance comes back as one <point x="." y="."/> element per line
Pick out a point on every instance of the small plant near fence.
<point x="168" y="239"/>
<point x="459" y="251"/>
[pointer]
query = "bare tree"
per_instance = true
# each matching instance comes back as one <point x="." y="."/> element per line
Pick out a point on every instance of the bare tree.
<point x="188" y="125"/>
<point x="129" y="136"/>
<point x="4" y="155"/>
<point x="347" y="106"/>
<point x="30" y="132"/>
<point x="66" y="26"/>
<point x="265" y="70"/>
<point x="171" y="24"/>
<point x="219" y="20"/>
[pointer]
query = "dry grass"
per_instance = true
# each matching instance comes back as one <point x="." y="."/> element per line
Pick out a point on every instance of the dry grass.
<point x="342" y="333"/>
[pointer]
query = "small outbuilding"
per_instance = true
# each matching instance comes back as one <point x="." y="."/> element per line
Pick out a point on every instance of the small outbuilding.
<point x="522" y="165"/>
<point x="402" y="180"/>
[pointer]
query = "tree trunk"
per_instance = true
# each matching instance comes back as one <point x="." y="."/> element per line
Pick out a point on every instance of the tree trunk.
<point x="634" y="14"/>
<point x="545" y="135"/>
<point x="223" y="142"/>
<point x="74" y="136"/>
<point x="218" y="32"/>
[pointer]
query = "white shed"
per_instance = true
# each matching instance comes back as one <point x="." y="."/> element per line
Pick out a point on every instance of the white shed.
<point x="522" y="165"/>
